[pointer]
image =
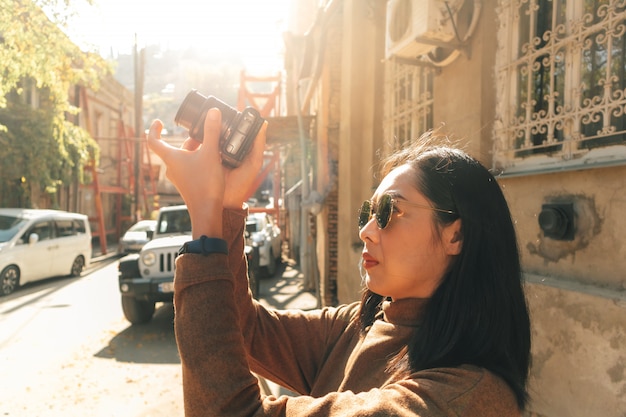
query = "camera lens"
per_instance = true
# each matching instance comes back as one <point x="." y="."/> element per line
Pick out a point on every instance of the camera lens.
<point x="192" y="112"/>
<point x="237" y="131"/>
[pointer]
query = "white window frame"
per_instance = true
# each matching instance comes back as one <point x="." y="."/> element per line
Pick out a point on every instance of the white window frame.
<point x="516" y="122"/>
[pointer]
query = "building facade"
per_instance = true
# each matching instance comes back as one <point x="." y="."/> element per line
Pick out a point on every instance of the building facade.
<point x="534" y="89"/>
<point x="108" y="195"/>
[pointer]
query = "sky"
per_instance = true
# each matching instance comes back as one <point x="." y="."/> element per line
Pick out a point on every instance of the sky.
<point x="252" y="27"/>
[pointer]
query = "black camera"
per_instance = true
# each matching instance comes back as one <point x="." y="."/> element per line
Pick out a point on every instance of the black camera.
<point x="238" y="128"/>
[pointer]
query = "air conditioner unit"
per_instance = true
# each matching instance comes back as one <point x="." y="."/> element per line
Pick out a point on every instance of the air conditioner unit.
<point x="417" y="27"/>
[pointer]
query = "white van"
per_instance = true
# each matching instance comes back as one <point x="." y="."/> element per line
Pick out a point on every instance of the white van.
<point x="38" y="244"/>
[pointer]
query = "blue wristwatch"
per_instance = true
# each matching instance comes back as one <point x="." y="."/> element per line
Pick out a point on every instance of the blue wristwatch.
<point x="205" y="246"/>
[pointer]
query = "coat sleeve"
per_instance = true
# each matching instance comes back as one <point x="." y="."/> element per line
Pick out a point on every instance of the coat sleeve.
<point x="216" y="374"/>
<point x="286" y="347"/>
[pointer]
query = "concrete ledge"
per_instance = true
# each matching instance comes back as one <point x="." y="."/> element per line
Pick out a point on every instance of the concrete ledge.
<point x="616" y="295"/>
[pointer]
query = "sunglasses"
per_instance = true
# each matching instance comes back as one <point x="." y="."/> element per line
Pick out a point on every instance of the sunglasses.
<point x="384" y="209"/>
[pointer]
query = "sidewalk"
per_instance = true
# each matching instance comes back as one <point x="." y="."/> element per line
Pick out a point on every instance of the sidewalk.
<point x="285" y="289"/>
<point x="98" y="256"/>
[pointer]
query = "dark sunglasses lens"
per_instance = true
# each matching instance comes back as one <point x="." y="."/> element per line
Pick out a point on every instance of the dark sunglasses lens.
<point x="383" y="211"/>
<point x="364" y="214"/>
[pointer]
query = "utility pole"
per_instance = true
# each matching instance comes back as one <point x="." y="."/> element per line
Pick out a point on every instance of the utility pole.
<point x="139" y="69"/>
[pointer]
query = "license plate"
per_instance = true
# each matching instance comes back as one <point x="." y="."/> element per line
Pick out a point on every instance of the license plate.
<point x="166" y="287"/>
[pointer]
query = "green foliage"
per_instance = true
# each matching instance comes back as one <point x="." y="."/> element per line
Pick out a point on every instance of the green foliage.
<point x="39" y="150"/>
<point x="31" y="46"/>
<point x="38" y="147"/>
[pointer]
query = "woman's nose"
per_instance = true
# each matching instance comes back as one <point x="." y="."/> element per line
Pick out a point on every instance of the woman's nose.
<point x="369" y="231"/>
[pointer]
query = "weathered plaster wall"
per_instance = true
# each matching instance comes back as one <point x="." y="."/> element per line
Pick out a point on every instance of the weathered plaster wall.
<point x="597" y="255"/>
<point x="576" y="289"/>
<point x="464" y="91"/>
<point x="579" y="359"/>
<point x="360" y="132"/>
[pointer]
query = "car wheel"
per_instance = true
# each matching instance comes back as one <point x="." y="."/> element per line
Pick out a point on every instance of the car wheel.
<point x="9" y="279"/>
<point x="137" y="311"/>
<point x="77" y="266"/>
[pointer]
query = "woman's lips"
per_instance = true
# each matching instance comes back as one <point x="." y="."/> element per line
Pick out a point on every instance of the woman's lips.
<point x="369" y="261"/>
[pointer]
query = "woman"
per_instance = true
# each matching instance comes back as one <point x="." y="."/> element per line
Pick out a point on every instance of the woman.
<point x="442" y="328"/>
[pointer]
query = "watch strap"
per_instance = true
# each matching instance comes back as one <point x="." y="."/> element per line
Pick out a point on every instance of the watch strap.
<point x="205" y="246"/>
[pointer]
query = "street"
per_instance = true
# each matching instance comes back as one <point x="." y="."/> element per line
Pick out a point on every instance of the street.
<point x="66" y="349"/>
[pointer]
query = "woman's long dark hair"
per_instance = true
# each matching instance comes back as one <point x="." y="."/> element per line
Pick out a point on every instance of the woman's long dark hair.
<point x="478" y="315"/>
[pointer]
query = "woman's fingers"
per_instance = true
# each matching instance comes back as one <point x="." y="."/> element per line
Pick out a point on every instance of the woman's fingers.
<point x="190" y="144"/>
<point x="212" y="129"/>
<point x="196" y="168"/>
<point x="154" y="140"/>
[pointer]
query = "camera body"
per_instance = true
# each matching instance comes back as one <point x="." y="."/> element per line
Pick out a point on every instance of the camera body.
<point x="237" y="132"/>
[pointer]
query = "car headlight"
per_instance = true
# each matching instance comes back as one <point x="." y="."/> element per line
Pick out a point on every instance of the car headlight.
<point x="148" y="258"/>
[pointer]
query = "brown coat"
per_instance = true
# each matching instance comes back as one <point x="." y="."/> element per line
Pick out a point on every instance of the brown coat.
<point x="223" y="335"/>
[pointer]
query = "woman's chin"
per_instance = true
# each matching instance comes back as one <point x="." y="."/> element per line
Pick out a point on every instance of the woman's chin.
<point x="371" y="284"/>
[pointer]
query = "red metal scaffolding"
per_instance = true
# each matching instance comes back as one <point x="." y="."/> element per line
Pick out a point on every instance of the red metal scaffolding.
<point x="125" y="178"/>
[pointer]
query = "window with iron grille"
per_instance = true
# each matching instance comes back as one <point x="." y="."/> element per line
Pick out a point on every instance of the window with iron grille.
<point x="561" y="74"/>
<point x="408" y="103"/>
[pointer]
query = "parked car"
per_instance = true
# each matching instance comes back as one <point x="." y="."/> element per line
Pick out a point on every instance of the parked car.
<point x="37" y="244"/>
<point x="136" y="236"/>
<point x="146" y="278"/>
<point x="263" y="233"/>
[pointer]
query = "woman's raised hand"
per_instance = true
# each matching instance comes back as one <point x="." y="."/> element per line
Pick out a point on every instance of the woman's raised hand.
<point x="204" y="183"/>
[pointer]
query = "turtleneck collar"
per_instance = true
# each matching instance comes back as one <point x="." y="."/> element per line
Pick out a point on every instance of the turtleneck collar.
<point x="405" y="312"/>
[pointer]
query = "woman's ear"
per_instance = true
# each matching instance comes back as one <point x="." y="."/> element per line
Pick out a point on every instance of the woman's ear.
<point x="452" y="238"/>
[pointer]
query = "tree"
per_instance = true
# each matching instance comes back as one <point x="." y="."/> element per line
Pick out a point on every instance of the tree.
<point x="38" y="145"/>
